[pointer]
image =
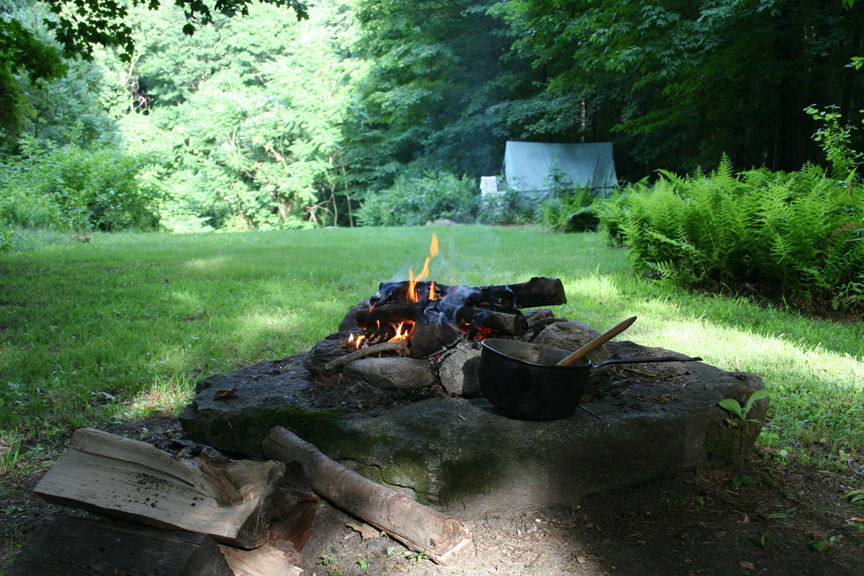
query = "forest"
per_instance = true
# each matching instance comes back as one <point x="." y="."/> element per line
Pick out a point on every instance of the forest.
<point x="283" y="115"/>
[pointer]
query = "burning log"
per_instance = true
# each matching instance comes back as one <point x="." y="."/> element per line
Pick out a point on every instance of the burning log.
<point x="444" y="540"/>
<point x="511" y="324"/>
<point x="536" y="292"/>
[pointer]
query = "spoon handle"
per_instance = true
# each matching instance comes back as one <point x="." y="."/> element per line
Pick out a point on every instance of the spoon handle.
<point x="597" y="342"/>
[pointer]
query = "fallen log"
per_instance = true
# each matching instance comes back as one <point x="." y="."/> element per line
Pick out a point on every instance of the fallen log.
<point x="231" y="500"/>
<point x="444" y="540"/>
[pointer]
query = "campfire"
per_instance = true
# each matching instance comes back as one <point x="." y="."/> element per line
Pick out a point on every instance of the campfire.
<point x="422" y="318"/>
<point x="419" y="338"/>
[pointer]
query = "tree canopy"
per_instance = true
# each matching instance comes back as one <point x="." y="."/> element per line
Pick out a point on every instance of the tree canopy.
<point x="289" y="117"/>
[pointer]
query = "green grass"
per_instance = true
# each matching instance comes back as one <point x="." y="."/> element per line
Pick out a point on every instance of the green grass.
<point x="124" y="325"/>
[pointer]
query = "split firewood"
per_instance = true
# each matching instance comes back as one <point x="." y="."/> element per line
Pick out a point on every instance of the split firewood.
<point x="214" y="559"/>
<point x="200" y="492"/>
<point x="443" y="539"/>
<point x="400" y="347"/>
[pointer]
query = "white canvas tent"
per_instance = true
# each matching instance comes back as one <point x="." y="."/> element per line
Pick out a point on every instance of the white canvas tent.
<point x="528" y="165"/>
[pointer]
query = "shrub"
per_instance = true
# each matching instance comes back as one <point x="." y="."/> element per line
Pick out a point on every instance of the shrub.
<point x="507" y="206"/>
<point x="414" y="200"/>
<point x="798" y="235"/>
<point x="75" y="188"/>
<point x="570" y="211"/>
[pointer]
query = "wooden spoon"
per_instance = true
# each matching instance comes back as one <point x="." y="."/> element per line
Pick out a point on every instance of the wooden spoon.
<point x="597" y="342"/>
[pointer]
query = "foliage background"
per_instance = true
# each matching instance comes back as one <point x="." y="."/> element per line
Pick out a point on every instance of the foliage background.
<point x="265" y="122"/>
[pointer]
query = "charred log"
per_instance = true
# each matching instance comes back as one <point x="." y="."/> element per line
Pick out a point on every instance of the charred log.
<point x="538" y="291"/>
<point x="429" y="312"/>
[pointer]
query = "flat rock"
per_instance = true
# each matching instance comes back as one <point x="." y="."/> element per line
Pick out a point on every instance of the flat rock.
<point x="391" y="373"/>
<point x="637" y="423"/>
<point x="459" y="371"/>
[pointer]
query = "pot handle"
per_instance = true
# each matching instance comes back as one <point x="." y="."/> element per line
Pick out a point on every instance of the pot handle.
<point x="646" y="360"/>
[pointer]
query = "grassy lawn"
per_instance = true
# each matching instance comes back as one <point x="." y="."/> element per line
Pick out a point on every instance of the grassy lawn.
<point x="124" y="325"/>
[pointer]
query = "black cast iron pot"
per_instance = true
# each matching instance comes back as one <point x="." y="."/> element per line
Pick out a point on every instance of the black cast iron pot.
<point x="522" y="380"/>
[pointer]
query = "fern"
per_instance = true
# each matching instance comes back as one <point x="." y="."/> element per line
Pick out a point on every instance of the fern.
<point x="797" y="234"/>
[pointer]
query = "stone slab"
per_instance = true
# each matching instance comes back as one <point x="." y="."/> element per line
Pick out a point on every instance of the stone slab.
<point x="638" y="423"/>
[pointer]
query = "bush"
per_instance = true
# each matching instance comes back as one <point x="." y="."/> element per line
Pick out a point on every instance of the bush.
<point x="77" y="189"/>
<point x="798" y="235"/>
<point x="571" y="211"/>
<point x="414" y="200"/>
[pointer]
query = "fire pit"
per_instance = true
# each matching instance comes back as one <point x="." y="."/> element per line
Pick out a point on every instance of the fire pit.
<point x="396" y="392"/>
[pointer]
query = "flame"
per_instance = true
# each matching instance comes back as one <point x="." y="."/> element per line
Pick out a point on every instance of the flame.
<point x="403" y="331"/>
<point x="432" y="290"/>
<point x="356" y="341"/>
<point x="412" y="281"/>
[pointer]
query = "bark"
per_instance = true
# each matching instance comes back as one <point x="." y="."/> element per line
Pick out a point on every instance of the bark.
<point x="444" y="540"/>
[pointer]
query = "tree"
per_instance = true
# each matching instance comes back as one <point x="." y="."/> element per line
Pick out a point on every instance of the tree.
<point x="79" y="25"/>
<point x="244" y="117"/>
<point x="678" y="83"/>
<point x="24" y="58"/>
<point x="428" y="98"/>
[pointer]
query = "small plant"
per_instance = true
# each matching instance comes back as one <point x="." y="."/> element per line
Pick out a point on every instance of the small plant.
<point x="416" y="556"/>
<point x="735" y="407"/>
<point x="7" y="237"/>
<point x="833" y="137"/>
<point x="326" y="560"/>
<point x="739" y="481"/>
<point x="855" y="496"/>
<point x="10" y="459"/>
<point x="823" y="544"/>
<point x="364" y="565"/>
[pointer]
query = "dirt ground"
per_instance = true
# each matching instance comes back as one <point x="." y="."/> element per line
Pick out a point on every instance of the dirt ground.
<point x="770" y="516"/>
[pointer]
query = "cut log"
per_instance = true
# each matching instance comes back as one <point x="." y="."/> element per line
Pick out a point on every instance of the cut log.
<point x="70" y="546"/>
<point x="228" y="499"/>
<point x="538" y="291"/>
<point x="443" y="539"/>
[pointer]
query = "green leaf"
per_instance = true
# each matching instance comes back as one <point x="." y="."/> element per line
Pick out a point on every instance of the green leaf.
<point x="732" y="406"/>
<point x="758" y="395"/>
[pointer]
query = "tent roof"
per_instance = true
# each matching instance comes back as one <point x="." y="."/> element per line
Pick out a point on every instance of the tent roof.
<point x="528" y="165"/>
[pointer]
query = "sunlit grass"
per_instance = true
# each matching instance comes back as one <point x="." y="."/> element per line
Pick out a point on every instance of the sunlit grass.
<point x="124" y="325"/>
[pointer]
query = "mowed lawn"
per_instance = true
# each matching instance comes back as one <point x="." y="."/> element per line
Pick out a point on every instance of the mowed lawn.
<point x="123" y="325"/>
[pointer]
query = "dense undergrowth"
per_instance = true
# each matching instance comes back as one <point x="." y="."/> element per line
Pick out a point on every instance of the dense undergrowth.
<point x="795" y="237"/>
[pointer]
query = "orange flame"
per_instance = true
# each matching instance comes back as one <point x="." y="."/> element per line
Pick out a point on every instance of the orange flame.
<point x="356" y="342"/>
<point x="403" y="331"/>
<point x="412" y="282"/>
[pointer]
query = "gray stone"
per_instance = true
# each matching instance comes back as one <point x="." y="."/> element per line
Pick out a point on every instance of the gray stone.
<point x="391" y="373"/>
<point x="572" y="335"/>
<point x="637" y="424"/>
<point x="459" y="371"/>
